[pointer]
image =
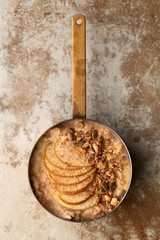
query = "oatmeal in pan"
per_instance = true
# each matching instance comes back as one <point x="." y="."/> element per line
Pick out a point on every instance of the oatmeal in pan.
<point x="79" y="170"/>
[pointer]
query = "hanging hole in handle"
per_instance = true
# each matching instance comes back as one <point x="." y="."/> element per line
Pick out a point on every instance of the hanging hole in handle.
<point x="79" y="21"/>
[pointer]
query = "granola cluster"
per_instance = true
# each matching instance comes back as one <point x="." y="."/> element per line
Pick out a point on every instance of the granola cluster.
<point x="101" y="154"/>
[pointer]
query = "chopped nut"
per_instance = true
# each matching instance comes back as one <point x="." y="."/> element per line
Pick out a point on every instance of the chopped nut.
<point x="112" y="177"/>
<point x="105" y="176"/>
<point x="98" y="199"/>
<point x="97" y="142"/>
<point x="111" y="165"/>
<point x="121" y="166"/>
<point x="79" y="139"/>
<point x="107" y="142"/>
<point x="114" y="201"/>
<point x="107" y="198"/>
<point x="88" y="136"/>
<point x="101" y="165"/>
<point x="85" y="145"/>
<point x="91" y="152"/>
<point x="110" y="193"/>
<point x="110" y="156"/>
<point x="96" y="159"/>
<point x="95" y="147"/>
<point x="104" y="159"/>
<point x="79" y="124"/>
<point x="80" y="149"/>
<point x="115" y="164"/>
<point x="91" y="159"/>
<point x="109" y="172"/>
<point x="70" y="137"/>
<point x="64" y="138"/>
<point x="110" y="150"/>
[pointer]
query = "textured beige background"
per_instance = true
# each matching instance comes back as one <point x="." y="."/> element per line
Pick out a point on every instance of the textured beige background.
<point x="123" y="91"/>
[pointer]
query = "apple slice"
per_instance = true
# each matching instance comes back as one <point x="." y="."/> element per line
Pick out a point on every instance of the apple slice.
<point x="50" y="154"/>
<point x="66" y="172"/>
<point x="67" y="153"/>
<point x="47" y="173"/>
<point x="72" y="189"/>
<point x="90" y="202"/>
<point x="78" y="197"/>
<point x="70" y="180"/>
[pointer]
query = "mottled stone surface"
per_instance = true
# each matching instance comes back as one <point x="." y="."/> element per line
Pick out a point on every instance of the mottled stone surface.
<point x="123" y="91"/>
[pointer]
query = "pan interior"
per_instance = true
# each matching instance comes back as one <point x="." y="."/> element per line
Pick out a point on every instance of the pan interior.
<point x="40" y="183"/>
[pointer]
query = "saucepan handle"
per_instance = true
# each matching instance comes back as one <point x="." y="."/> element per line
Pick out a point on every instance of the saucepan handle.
<point x="78" y="66"/>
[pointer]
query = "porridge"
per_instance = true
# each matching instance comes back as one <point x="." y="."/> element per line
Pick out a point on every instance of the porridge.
<point x="80" y="170"/>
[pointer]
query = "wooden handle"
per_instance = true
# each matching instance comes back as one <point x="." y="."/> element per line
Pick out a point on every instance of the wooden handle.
<point x="79" y="66"/>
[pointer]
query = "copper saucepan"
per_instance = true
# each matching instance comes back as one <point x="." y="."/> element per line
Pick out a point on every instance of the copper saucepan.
<point x="79" y="92"/>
